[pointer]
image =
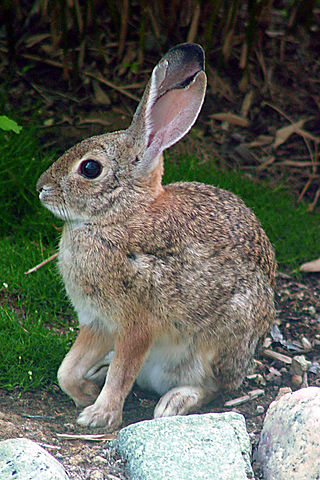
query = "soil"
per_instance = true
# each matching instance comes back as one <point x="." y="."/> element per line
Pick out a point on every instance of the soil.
<point x="43" y="415"/>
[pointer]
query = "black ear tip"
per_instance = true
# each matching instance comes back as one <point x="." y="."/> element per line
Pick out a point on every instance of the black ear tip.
<point x="190" y="52"/>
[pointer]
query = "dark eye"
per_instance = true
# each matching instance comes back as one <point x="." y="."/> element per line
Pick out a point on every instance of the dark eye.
<point x="90" y="168"/>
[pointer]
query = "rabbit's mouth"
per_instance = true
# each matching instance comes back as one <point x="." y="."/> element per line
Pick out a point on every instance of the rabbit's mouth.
<point x="46" y="196"/>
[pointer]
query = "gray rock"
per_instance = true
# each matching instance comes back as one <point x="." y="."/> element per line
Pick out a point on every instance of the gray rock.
<point x="23" y="459"/>
<point x="289" y="446"/>
<point x="211" y="447"/>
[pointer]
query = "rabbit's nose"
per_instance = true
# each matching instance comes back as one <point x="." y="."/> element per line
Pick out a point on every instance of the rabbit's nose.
<point x="42" y="183"/>
<point x="44" y="191"/>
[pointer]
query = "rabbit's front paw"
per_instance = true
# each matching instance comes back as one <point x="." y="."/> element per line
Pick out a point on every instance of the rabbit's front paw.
<point x="179" y="401"/>
<point x="98" y="416"/>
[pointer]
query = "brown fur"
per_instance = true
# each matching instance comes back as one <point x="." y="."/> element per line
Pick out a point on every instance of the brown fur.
<point x="176" y="281"/>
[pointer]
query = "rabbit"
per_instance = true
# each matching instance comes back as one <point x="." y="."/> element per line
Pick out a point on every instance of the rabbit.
<point x="173" y="285"/>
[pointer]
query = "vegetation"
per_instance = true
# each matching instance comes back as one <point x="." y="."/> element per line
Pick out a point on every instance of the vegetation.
<point x="36" y="321"/>
<point x="75" y="27"/>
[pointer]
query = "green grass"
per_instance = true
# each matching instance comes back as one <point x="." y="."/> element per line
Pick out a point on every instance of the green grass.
<point x="36" y="321"/>
<point x="293" y="231"/>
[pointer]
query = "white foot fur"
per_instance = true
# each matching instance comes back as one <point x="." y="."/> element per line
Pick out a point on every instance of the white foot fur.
<point x="97" y="416"/>
<point x="179" y="401"/>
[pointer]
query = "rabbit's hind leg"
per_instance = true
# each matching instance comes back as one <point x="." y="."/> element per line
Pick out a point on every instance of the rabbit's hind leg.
<point x="83" y="370"/>
<point x="182" y="373"/>
<point x="182" y="400"/>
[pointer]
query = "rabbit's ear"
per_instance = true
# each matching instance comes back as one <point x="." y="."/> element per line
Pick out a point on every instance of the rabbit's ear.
<point x="171" y="102"/>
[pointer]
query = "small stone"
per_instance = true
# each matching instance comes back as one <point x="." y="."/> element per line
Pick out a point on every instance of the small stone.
<point x="283" y="391"/>
<point x="312" y="310"/>
<point x="289" y="445"/>
<point x="100" y="460"/>
<point x="97" y="475"/>
<point x="23" y="459"/>
<point x="69" y="426"/>
<point x="299" y="365"/>
<point x="296" y="380"/>
<point x="76" y="459"/>
<point x="260" y="409"/>
<point x="306" y="344"/>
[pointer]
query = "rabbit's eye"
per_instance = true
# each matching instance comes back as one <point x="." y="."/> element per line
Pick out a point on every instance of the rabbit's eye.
<point x="90" y="169"/>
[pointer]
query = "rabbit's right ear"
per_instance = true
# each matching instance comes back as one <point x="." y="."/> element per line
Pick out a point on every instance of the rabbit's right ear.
<point x="171" y="103"/>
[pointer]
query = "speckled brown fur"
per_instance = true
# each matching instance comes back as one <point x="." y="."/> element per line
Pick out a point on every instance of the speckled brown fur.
<point x="173" y="285"/>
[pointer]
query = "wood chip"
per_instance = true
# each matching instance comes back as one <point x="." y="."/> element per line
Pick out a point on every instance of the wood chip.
<point x="245" y="398"/>
<point x="313" y="266"/>
<point x="277" y="356"/>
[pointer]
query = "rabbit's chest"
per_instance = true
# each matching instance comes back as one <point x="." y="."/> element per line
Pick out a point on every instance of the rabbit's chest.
<point x="91" y="276"/>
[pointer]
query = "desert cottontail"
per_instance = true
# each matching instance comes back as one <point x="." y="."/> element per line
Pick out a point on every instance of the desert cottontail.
<point x="173" y="285"/>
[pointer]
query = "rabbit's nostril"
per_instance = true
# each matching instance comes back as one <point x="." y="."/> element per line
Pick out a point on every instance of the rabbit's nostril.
<point x="43" y="190"/>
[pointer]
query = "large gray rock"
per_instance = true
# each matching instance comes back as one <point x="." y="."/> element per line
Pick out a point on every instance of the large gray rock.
<point x="289" y="446"/>
<point x="211" y="447"/>
<point x="23" y="459"/>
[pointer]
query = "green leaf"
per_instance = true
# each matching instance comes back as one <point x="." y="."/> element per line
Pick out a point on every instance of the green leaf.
<point x="9" y="125"/>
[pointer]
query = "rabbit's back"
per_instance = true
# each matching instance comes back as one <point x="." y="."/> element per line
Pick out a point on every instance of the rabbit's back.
<point x="200" y="223"/>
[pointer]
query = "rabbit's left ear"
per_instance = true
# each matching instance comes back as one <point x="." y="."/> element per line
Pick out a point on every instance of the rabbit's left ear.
<point x="171" y="102"/>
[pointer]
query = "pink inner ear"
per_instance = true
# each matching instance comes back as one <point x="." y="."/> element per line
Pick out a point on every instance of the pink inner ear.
<point x="172" y="116"/>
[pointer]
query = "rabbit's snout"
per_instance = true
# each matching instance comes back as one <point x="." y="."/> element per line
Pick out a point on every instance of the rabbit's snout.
<point x="44" y="192"/>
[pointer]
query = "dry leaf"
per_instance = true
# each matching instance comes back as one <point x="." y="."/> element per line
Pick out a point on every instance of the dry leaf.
<point x="261" y="141"/>
<point x="313" y="266"/>
<point x="100" y="95"/>
<point x="88" y="120"/>
<point x="284" y="133"/>
<point x="34" y="39"/>
<point x="219" y="85"/>
<point x="246" y="104"/>
<point x="231" y="118"/>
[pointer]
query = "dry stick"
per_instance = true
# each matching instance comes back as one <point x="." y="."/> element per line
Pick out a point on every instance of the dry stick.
<point x="315" y="200"/>
<point x="194" y="24"/>
<point x="124" y="27"/>
<point x="90" y="437"/>
<point x="253" y="394"/>
<point x="277" y="356"/>
<point x="121" y="90"/>
<point x="300" y="132"/>
<point x="112" y="85"/>
<point x="305" y="188"/>
<point x="292" y="163"/>
<point x="41" y="264"/>
<point x="154" y="23"/>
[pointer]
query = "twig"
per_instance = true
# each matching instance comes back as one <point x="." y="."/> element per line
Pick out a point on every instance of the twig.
<point x="124" y="27"/>
<point x="194" y="24"/>
<point x="315" y="200"/>
<point x="292" y="163"/>
<point x="302" y="133"/>
<point x="154" y="23"/>
<point x="53" y="63"/>
<point x="277" y="356"/>
<point x="33" y="269"/>
<point x="91" y="438"/>
<point x="245" y="398"/>
<point x="112" y="85"/>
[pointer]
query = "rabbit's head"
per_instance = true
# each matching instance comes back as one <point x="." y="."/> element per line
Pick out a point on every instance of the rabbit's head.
<point x="111" y="174"/>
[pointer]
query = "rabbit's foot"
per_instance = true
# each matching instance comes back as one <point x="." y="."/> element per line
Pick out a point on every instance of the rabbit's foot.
<point x="82" y="392"/>
<point x="180" y="401"/>
<point x="100" y="416"/>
